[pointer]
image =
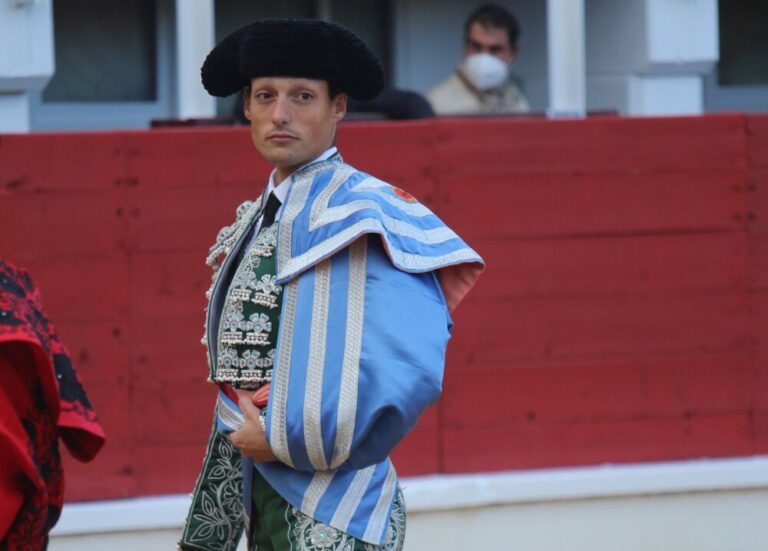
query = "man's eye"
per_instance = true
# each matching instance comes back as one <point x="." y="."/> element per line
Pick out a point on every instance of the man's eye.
<point x="305" y="96"/>
<point x="262" y="96"/>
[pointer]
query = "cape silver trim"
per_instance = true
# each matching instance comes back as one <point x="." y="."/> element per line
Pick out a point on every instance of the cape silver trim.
<point x="281" y="372"/>
<point x="352" y="497"/>
<point x="313" y="389"/>
<point x="353" y="344"/>
<point x="380" y="515"/>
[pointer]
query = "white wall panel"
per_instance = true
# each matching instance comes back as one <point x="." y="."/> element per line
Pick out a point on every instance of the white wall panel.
<point x="700" y="505"/>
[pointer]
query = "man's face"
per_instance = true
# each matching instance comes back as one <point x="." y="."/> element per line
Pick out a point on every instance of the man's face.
<point x="490" y="40"/>
<point x="293" y="120"/>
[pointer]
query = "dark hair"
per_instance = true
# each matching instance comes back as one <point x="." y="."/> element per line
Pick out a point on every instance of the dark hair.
<point x="333" y="89"/>
<point x="493" y="15"/>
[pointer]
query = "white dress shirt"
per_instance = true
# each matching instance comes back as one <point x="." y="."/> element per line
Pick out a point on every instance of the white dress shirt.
<point x="281" y="190"/>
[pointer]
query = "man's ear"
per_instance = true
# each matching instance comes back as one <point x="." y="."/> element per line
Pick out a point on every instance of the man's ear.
<point x="247" y="103"/>
<point x="339" y="106"/>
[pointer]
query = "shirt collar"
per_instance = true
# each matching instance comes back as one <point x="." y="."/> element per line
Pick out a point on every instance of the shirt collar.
<point x="281" y="190"/>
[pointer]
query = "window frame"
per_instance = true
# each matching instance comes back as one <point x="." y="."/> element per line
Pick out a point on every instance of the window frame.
<point x="99" y="115"/>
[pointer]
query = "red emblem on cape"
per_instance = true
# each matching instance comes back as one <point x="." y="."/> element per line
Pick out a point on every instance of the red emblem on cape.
<point x="404" y="195"/>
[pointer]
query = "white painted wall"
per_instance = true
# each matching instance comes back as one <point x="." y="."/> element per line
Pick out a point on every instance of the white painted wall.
<point x="194" y="39"/>
<point x="649" y="57"/>
<point x="733" y="521"/>
<point x="14" y="112"/>
<point x="716" y="505"/>
<point x="682" y="36"/>
<point x="566" y="60"/>
<point x="666" y="95"/>
<point x="26" y="58"/>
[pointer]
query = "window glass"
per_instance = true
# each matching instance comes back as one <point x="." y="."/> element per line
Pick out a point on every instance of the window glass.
<point x="233" y="14"/>
<point x="743" y="42"/>
<point x="105" y="51"/>
<point x="370" y="20"/>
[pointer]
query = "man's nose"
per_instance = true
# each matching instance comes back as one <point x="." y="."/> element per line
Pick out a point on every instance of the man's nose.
<point x="281" y="114"/>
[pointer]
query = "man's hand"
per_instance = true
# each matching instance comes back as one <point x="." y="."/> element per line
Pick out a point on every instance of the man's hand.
<point x="250" y="438"/>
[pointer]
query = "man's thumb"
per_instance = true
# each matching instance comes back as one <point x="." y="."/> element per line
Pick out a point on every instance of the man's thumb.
<point x="247" y="407"/>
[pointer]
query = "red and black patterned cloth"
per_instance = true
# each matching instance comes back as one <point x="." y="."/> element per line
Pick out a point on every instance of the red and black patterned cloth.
<point x="41" y="399"/>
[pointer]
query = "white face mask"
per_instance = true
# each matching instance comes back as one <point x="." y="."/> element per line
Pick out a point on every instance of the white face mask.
<point x="485" y="71"/>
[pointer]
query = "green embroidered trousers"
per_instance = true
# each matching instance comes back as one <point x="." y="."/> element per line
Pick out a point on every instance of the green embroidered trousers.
<point x="281" y="527"/>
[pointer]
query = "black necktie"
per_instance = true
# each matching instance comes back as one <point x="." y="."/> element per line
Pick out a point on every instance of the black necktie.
<point x="270" y="210"/>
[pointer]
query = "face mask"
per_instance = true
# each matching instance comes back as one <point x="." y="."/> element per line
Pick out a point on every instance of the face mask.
<point x="485" y="71"/>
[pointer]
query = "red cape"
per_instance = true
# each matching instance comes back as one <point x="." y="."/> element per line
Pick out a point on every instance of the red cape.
<point x="41" y="399"/>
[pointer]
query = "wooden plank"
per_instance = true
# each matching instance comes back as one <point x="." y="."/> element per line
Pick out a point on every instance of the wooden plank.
<point x="760" y="428"/>
<point x="167" y="469"/>
<point x="112" y="402"/>
<point x="759" y="310"/>
<point x="9" y="230"/>
<point x="109" y="476"/>
<point x="485" y="148"/>
<point x="603" y="266"/>
<point x="588" y="443"/>
<point x="99" y="350"/>
<point x="637" y="263"/>
<point x="760" y="396"/>
<point x="589" y="392"/>
<point x="182" y="156"/>
<point x="757" y="201"/>
<point x="401" y="154"/>
<point x="186" y="157"/>
<point x="418" y="454"/>
<point x="183" y="219"/>
<point x="82" y="288"/>
<point x="171" y="354"/>
<point x="176" y="413"/>
<point x="56" y="162"/>
<point x="7" y="226"/>
<point x="536" y="331"/>
<point x="593" y="204"/>
<point x="62" y="223"/>
<point x="430" y="419"/>
<point x="100" y="354"/>
<point x="757" y="140"/>
<point x="758" y="261"/>
<point x="168" y="285"/>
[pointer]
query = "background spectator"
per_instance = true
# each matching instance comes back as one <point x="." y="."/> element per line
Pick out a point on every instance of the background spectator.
<point x="482" y="82"/>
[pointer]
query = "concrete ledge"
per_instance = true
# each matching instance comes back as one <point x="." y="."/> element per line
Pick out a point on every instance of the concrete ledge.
<point x="441" y="492"/>
<point x="122" y="515"/>
<point x="448" y="492"/>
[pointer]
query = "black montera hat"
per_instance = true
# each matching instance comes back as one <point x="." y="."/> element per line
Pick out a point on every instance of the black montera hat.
<point x="293" y="47"/>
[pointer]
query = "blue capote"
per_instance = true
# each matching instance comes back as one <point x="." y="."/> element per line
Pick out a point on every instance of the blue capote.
<point x="364" y="327"/>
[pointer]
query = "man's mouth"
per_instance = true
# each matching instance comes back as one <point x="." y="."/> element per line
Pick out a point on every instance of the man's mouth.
<point x="281" y="137"/>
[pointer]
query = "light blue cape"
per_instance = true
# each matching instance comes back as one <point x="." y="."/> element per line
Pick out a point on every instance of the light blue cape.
<point x="364" y="327"/>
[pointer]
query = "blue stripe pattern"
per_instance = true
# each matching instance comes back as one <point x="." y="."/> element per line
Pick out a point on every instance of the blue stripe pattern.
<point x="379" y="305"/>
<point x="330" y="204"/>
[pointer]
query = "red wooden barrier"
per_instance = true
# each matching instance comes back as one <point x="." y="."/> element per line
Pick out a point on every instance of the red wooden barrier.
<point x="623" y="315"/>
